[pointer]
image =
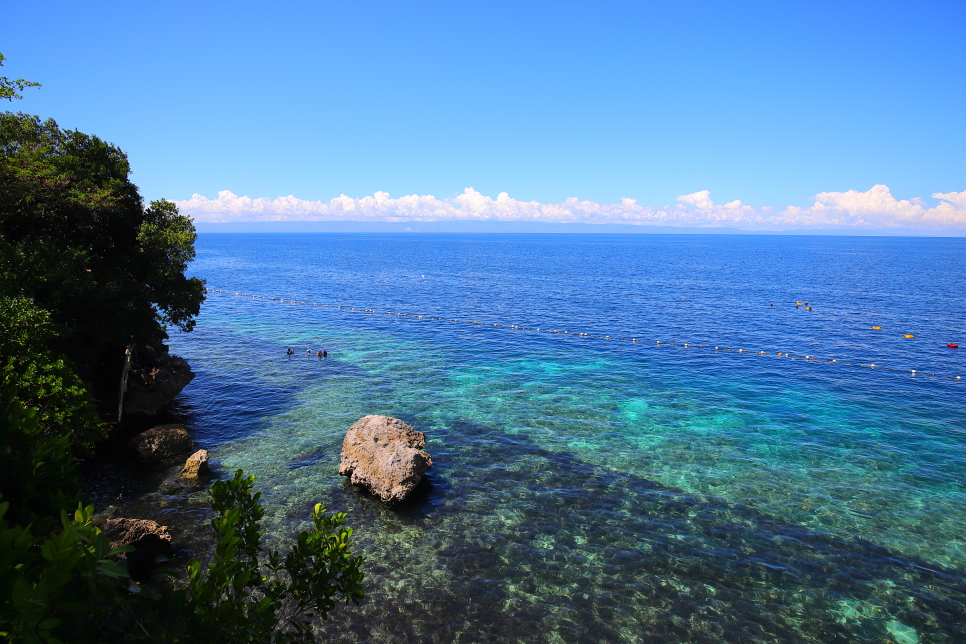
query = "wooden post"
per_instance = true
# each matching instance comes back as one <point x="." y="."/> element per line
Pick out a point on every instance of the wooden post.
<point x="124" y="374"/>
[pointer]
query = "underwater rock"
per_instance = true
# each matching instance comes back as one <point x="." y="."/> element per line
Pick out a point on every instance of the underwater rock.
<point x="156" y="377"/>
<point x="384" y="455"/>
<point x="148" y="538"/>
<point x="309" y="458"/>
<point x="161" y="443"/>
<point x="196" y="464"/>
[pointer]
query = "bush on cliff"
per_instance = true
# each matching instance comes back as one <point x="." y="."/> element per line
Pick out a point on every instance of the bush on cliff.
<point x="43" y="378"/>
<point x="61" y="584"/>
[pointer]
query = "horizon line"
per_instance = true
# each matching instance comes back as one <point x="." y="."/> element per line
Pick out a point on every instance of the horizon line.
<point x="470" y="226"/>
<point x="873" y="210"/>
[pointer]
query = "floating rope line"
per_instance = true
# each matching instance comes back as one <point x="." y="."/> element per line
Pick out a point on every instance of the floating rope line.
<point x="632" y="340"/>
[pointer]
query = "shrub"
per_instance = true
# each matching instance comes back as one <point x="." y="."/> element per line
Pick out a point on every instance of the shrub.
<point x="61" y="584"/>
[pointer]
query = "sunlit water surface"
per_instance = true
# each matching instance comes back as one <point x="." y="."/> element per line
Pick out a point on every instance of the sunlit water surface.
<point x="594" y="490"/>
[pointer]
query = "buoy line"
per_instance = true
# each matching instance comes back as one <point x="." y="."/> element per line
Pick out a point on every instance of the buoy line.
<point x="516" y="327"/>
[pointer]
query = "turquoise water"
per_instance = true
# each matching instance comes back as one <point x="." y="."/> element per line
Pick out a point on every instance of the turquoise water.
<point x="587" y="489"/>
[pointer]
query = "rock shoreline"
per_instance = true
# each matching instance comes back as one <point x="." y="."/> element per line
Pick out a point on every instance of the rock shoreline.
<point x="156" y="377"/>
<point x="382" y="454"/>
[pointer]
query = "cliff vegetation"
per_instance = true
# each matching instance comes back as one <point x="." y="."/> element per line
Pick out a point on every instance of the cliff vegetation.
<point x="87" y="269"/>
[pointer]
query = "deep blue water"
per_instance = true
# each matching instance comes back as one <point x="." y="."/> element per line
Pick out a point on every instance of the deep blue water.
<point x="594" y="489"/>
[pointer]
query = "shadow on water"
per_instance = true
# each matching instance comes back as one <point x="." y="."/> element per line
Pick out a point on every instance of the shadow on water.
<point x="232" y="408"/>
<point x="508" y="554"/>
<point x="120" y="486"/>
<point x="113" y="475"/>
<point x="497" y="545"/>
<point x="309" y="458"/>
<point x="426" y="499"/>
<point x="237" y="390"/>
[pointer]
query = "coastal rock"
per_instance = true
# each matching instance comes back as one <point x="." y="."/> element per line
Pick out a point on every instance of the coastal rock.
<point x="156" y="377"/>
<point x="384" y="455"/>
<point x="196" y="464"/>
<point x="161" y="443"/>
<point x="148" y="538"/>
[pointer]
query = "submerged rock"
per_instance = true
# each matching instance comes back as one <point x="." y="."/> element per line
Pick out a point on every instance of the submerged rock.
<point x="196" y="464"/>
<point x="156" y="377"/>
<point x="384" y="455"/>
<point x="148" y="538"/>
<point x="309" y="458"/>
<point x="161" y="443"/>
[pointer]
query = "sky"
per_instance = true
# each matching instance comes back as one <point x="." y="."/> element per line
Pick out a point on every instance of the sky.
<point x="755" y="115"/>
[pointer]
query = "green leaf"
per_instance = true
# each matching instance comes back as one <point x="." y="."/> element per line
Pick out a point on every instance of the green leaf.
<point x="49" y="623"/>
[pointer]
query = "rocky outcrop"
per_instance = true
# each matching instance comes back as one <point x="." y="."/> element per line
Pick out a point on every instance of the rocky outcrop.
<point x="148" y="538"/>
<point x="196" y="464"/>
<point x="156" y="377"/>
<point x="385" y="456"/>
<point x="162" y="443"/>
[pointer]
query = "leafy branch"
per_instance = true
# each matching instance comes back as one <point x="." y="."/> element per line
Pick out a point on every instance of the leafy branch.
<point x="9" y="88"/>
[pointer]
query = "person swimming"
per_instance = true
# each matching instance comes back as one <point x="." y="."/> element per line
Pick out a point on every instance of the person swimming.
<point x="308" y="352"/>
<point x="325" y="354"/>
<point x="289" y="351"/>
<point x="318" y="354"/>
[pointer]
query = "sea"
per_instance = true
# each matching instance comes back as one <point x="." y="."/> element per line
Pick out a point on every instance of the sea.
<point x="635" y="438"/>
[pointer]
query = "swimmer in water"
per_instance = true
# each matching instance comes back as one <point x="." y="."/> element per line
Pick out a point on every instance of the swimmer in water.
<point x="318" y="354"/>
<point x="325" y="354"/>
<point x="308" y="352"/>
<point x="289" y="351"/>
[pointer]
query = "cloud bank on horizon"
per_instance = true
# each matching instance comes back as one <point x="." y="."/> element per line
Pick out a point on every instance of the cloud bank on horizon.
<point x="871" y="210"/>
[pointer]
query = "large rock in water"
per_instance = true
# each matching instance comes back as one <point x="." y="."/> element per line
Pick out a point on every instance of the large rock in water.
<point x="148" y="538"/>
<point x="162" y="443"/>
<point x="156" y="377"/>
<point x="384" y="455"/>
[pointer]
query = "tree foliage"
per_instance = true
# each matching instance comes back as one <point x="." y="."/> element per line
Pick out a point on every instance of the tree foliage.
<point x="238" y="598"/>
<point x="76" y="239"/>
<point x="43" y="378"/>
<point x="10" y="87"/>
<point x="38" y="476"/>
<point x="86" y="268"/>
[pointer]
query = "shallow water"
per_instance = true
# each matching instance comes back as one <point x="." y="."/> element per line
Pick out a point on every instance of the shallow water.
<point x="587" y="489"/>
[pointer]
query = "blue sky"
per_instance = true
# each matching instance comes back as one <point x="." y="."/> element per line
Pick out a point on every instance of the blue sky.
<point x="766" y="103"/>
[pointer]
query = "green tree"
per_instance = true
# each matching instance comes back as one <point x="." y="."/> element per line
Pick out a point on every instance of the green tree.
<point x="76" y="238"/>
<point x="9" y="88"/>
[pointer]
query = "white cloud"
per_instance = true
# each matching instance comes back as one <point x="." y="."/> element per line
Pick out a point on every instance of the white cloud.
<point x="873" y="209"/>
<point x="877" y="208"/>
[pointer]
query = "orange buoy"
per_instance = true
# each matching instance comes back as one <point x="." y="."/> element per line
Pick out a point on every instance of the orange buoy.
<point x="952" y="346"/>
<point x="877" y="328"/>
<point x="908" y="335"/>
